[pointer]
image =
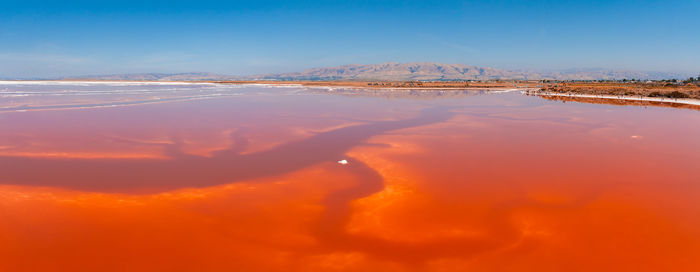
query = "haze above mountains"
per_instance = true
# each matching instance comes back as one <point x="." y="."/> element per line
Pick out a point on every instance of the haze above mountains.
<point x="424" y="71"/>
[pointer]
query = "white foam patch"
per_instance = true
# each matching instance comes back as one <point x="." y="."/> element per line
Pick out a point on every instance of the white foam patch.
<point x="506" y="91"/>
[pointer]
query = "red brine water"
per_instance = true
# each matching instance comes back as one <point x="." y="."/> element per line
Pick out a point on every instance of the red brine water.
<point x="247" y="178"/>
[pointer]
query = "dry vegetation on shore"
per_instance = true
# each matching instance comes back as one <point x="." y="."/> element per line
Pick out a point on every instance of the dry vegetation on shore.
<point x="645" y="89"/>
<point x="621" y="102"/>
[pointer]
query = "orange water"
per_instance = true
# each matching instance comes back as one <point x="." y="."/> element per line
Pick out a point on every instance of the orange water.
<point x="500" y="182"/>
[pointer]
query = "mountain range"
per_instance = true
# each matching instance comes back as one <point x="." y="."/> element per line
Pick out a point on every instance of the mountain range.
<point x="417" y="71"/>
<point x="427" y="71"/>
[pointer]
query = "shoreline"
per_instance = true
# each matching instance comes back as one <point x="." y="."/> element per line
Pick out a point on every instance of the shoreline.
<point x="493" y="87"/>
<point x="548" y="90"/>
<point x="620" y="100"/>
<point x="684" y="101"/>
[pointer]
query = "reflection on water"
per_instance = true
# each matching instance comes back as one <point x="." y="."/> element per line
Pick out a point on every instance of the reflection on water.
<point x="186" y="170"/>
<point x="425" y="94"/>
<point x="250" y="182"/>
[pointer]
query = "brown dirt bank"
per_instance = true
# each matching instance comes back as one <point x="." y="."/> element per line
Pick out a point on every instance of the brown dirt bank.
<point x="619" y="102"/>
<point x="651" y="89"/>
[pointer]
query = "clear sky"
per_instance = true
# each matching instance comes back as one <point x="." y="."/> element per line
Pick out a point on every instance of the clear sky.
<point x="54" y="38"/>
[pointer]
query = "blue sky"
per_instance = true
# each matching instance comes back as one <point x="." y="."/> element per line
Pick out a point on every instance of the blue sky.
<point x="56" y="38"/>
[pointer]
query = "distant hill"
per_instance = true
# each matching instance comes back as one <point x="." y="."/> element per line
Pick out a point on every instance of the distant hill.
<point x="418" y="71"/>
<point x="155" y="77"/>
<point x="441" y="71"/>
